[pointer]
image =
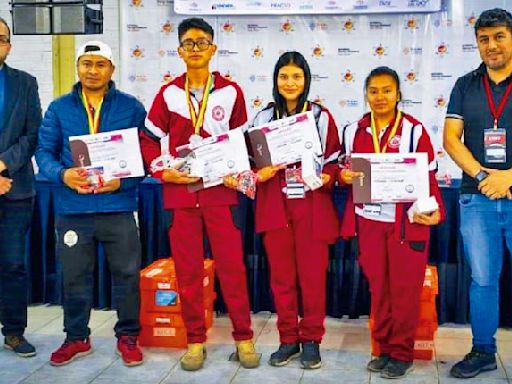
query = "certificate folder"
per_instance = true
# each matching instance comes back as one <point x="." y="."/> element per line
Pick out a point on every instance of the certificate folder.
<point x="362" y="186"/>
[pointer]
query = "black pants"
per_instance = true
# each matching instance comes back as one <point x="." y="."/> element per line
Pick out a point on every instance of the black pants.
<point x="15" y="217"/>
<point x="77" y="240"/>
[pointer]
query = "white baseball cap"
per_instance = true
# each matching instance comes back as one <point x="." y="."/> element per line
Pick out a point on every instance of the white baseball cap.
<point x="97" y="48"/>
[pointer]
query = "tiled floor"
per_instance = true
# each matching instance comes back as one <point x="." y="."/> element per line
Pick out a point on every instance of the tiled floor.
<point x="345" y="352"/>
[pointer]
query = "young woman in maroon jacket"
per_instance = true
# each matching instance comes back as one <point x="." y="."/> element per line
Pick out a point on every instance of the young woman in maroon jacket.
<point x="392" y="251"/>
<point x="297" y="231"/>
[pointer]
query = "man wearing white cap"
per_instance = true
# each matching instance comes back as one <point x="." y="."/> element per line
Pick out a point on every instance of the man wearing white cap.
<point x="88" y="213"/>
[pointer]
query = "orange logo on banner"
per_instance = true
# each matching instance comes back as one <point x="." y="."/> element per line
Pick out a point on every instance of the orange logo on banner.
<point x="472" y="20"/>
<point x="318" y="51"/>
<point x="228" y="76"/>
<point x="348" y="76"/>
<point x="287" y="26"/>
<point x="442" y="49"/>
<point x="167" y="27"/>
<point x="167" y="78"/>
<point x="256" y="102"/>
<point x="137" y="52"/>
<point x="380" y="51"/>
<point x="257" y="52"/>
<point x="228" y="26"/>
<point x="348" y="25"/>
<point x="318" y="100"/>
<point x="412" y="23"/>
<point x="440" y="101"/>
<point x="411" y="76"/>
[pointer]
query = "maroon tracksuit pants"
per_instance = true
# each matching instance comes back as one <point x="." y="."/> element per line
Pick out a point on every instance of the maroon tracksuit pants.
<point x="298" y="262"/>
<point x="186" y="238"/>
<point x="395" y="272"/>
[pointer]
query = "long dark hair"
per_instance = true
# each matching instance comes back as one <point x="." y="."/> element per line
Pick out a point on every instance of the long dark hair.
<point x="287" y="58"/>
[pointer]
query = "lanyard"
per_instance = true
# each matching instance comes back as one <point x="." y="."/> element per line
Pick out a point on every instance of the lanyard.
<point x="304" y="109"/>
<point x="375" y="138"/>
<point x="197" y="120"/>
<point x="496" y="113"/>
<point x="92" y="119"/>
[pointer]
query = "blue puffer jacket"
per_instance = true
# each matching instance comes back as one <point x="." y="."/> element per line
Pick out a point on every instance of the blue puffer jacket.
<point x="66" y="117"/>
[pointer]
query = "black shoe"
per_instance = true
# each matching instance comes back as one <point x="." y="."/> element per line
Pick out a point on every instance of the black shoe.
<point x="284" y="354"/>
<point x="310" y="358"/>
<point x="19" y="345"/>
<point x="474" y="363"/>
<point x="378" y="364"/>
<point x="396" y="369"/>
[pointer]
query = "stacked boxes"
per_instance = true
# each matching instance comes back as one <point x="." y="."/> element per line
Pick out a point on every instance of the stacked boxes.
<point x="160" y="310"/>
<point x="427" y="323"/>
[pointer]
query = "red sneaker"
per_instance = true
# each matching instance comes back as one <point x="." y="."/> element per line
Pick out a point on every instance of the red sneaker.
<point x="69" y="351"/>
<point x="128" y="349"/>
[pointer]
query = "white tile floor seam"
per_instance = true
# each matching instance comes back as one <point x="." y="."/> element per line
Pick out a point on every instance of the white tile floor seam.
<point x="345" y="352"/>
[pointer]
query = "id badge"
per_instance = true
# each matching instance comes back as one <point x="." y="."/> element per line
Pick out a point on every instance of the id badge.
<point x="373" y="210"/>
<point x="495" y="145"/>
<point x="294" y="183"/>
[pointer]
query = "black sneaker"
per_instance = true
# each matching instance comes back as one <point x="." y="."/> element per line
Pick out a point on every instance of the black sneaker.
<point x="19" y="345"/>
<point x="310" y="358"/>
<point x="378" y="364"/>
<point x="284" y="354"/>
<point x="396" y="369"/>
<point x="474" y="363"/>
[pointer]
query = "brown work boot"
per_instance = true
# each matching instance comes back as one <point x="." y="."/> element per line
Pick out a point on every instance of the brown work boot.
<point x="247" y="354"/>
<point x="194" y="358"/>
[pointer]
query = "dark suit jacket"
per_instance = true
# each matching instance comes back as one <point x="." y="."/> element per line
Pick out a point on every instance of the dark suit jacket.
<point x="18" y="131"/>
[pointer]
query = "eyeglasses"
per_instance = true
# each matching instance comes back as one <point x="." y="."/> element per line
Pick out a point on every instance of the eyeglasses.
<point x="202" y="45"/>
<point x="4" y="40"/>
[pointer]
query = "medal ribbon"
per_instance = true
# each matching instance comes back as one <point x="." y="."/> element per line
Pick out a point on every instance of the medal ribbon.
<point x="92" y="119"/>
<point x="496" y="113"/>
<point x="375" y="136"/>
<point x="304" y="109"/>
<point x="197" y="120"/>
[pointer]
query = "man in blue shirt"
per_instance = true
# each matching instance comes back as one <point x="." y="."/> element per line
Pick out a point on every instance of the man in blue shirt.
<point x="20" y="117"/>
<point x="480" y="108"/>
<point x="88" y="212"/>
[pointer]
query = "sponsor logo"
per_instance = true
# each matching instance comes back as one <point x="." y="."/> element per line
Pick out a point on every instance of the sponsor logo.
<point x="167" y="27"/>
<point x="134" y="27"/>
<point x="378" y="25"/>
<point x="228" y="76"/>
<point x="345" y="51"/>
<point x="440" y="76"/>
<point x="226" y="52"/>
<point x="442" y="49"/>
<point x="164" y="3"/>
<point x="137" y="52"/>
<point x="469" y="48"/>
<point x="317" y="51"/>
<point x="228" y="27"/>
<point x="440" y="101"/>
<point x="256" y="103"/>
<point x="348" y="76"/>
<point x="412" y="51"/>
<point x="168" y="53"/>
<point x="349" y="103"/>
<point x="319" y="100"/>
<point x="222" y="6"/>
<point x="281" y="5"/>
<point x="255" y="27"/>
<point x="318" y="26"/>
<point x="167" y="77"/>
<point x="258" y="78"/>
<point x="317" y="77"/>
<point x="418" y="3"/>
<point x="257" y="52"/>
<point x="471" y="20"/>
<point x="136" y="3"/>
<point x="411" y="77"/>
<point x="380" y="51"/>
<point x="408" y="103"/>
<point x="348" y="25"/>
<point x="287" y="26"/>
<point x="411" y="24"/>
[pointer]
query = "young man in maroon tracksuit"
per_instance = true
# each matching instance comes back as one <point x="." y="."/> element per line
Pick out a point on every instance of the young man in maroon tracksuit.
<point x="201" y="104"/>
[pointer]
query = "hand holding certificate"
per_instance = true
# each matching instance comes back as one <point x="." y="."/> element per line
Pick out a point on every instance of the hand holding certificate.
<point x="285" y="141"/>
<point x="390" y="177"/>
<point x="215" y="157"/>
<point x="108" y="155"/>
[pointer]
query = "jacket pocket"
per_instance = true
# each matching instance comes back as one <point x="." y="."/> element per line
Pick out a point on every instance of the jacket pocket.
<point x="466" y="198"/>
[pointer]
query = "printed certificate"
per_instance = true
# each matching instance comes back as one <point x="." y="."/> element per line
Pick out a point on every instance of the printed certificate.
<point x="390" y="177"/>
<point x="114" y="154"/>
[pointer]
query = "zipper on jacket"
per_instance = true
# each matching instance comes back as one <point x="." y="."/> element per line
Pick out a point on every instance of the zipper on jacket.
<point x="402" y="225"/>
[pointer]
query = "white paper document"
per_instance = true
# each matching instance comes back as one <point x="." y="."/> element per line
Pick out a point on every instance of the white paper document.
<point x="390" y="177"/>
<point x="114" y="154"/>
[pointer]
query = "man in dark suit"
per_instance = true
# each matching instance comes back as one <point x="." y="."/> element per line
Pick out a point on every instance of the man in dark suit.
<point x="20" y="117"/>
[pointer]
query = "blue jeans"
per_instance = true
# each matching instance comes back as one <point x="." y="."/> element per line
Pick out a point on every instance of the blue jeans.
<point x="15" y="217"/>
<point x="485" y="224"/>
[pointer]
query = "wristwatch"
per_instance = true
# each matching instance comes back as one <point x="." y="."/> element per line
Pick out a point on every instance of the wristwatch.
<point x="481" y="176"/>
